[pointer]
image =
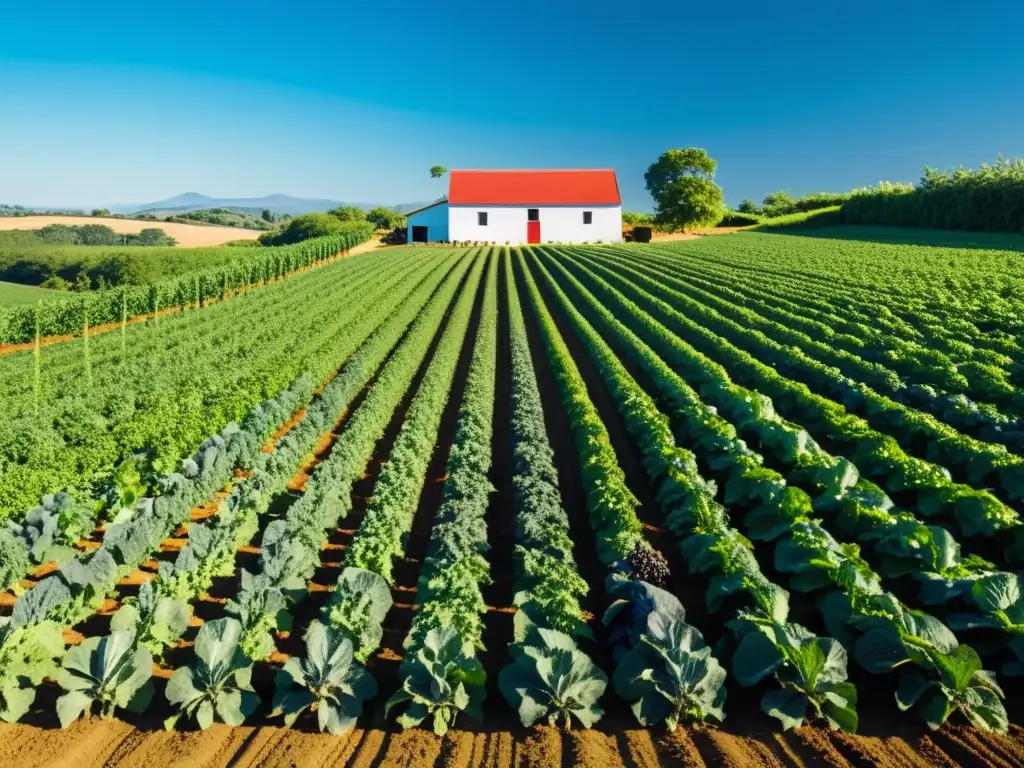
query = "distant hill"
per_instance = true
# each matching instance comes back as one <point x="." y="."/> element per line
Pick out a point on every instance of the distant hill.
<point x="193" y="201"/>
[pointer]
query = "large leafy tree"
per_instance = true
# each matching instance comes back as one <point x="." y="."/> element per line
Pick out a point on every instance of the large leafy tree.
<point x="681" y="182"/>
<point x="385" y="218"/>
<point x="348" y="213"/>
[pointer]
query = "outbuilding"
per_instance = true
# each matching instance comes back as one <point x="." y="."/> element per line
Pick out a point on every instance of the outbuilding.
<point x="520" y="206"/>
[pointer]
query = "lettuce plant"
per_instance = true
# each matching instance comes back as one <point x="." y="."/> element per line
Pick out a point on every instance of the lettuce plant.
<point x="671" y="675"/>
<point x="105" y="672"/>
<point x="551" y="679"/>
<point x="219" y="685"/>
<point x="327" y="681"/>
<point x="155" y="622"/>
<point x="443" y="679"/>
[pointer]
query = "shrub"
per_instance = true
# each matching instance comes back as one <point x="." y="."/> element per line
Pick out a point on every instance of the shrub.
<point x="739" y="219"/>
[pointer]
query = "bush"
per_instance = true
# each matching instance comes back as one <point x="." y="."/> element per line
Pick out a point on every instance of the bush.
<point x="986" y="199"/>
<point x="825" y="217"/>
<point x="738" y="219"/>
<point x="307" y="227"/>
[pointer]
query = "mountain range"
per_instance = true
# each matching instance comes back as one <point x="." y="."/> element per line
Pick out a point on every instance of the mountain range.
<point x="295" y="206"/>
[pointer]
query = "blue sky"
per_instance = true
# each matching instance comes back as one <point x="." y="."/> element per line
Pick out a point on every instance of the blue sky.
<point x="107" y="102"/>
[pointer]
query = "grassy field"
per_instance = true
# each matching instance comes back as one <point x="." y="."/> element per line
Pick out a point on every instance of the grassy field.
<point x="12" y="294"/>
<point x="792" y="465"/>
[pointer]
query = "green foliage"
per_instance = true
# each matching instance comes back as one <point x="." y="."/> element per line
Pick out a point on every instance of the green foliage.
<point x="154" y="622"/>
<point x="314" y="225"/>
<point x="100" y="212"/>
<point x="681" y="183"/>
<point x="985" y="199"/>
<point x="28" y="654"/>
<point x="551" y="680"/>
<point x="100" y="234"/>
<point x="747" y="206"/>
<point x="219" y="685"/>
<point x="227" y="217"/>
<point x="821" y="217"/>
<point x="738" y="219"/>
<point x="385" y="218"/>
<point x="260" y="608"/>
<point x="348" y="213"/>
<point x="53" y="528"/>
<point x="14" y="559"/>
<point x="105" y="673"/>
<point x="443" y="679"/>
<point x="962" y="686"/>
<point x="630" y="217"/>
<point x="357" y="609"/>
<point x="437" y="171"/>
<point x="327" y="681"/>
<point x="670" y="675"/>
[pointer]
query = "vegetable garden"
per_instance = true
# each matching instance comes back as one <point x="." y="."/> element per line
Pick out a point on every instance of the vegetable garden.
<point x="752" y="499"/>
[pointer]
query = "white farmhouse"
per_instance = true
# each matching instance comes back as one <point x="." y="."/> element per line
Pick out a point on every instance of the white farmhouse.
<point x="517" y="207"/>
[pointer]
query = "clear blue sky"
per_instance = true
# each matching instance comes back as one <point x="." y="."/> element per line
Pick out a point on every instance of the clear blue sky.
<point x="129" y="102"/>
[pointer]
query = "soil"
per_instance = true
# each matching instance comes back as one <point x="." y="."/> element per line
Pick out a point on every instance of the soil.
<point x="93" y="743"/>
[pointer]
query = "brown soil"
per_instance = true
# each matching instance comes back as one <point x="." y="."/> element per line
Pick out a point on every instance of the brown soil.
<point x="103" y="328"/>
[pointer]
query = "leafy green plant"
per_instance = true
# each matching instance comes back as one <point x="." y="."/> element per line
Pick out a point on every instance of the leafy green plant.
<point x="361" y="601"/>
<point x="27" y="655"/>
<point x="671" y="675"/>
<point x="551" y="679"/>
<point x="105" y="672"/>
<point x="155" y="622"/>
<point x="962" y="686"/>
<point x="219" y="685"/>
<point x="442" y="680"/>
<point x="14" y="559"/>
<point x="260" y="608"/>
<point x="123" y="486"/>
<point x="327" y="681"/>
<point x="51" y="529"/>
<point x="633" y="602"/>
<point x="810" y="669"/>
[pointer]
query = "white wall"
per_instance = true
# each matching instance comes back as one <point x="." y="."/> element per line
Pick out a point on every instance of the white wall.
<point x="434" y="218"/>
<point x="562" y="224"/>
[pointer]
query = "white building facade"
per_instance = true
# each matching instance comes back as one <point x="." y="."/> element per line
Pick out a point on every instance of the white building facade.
<point x="522" y="207"/>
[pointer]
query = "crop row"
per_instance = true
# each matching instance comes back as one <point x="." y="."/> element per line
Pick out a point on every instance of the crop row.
<point x="57" y="318"/>
<point x="179" y="383"/>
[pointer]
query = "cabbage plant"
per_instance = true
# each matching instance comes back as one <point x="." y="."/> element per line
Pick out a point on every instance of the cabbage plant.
<point x="327" y="681"/>
<point x="105" y="673"/>
<point x="671" y="675"/>
<point x="443" y="679"/>
<point x="550" y="679"/>
<point x="27" y="655"/>
<point x="962" y="685"/>
<point x="219" y="685"/>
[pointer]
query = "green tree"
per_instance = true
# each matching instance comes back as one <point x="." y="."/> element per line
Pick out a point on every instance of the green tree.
<point x="100" y="212"/>
<point x="267" y="216"/>
<point x="681" y="182"/>
<point x="748" y="206"/>
<point x="778" y="203"/>
<point x="437" y="171"/>
<point x="348" y="213"/>
<point x="385" y="218"/>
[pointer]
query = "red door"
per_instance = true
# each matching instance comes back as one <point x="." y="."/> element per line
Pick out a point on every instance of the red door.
<point x="533" y="232"/>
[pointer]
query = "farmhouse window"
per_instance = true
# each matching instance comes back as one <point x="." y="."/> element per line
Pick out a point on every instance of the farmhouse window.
<point x="481" y="218"/>
<point x="588" y="217"/>
<point x="533" y="214"/>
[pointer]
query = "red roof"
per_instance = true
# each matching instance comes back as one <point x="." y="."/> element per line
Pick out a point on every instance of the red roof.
<point x="563" y="187"/>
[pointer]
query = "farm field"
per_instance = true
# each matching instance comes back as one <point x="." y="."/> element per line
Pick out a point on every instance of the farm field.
<point x="764" y="481"/>
<point x="187" y="235"/>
